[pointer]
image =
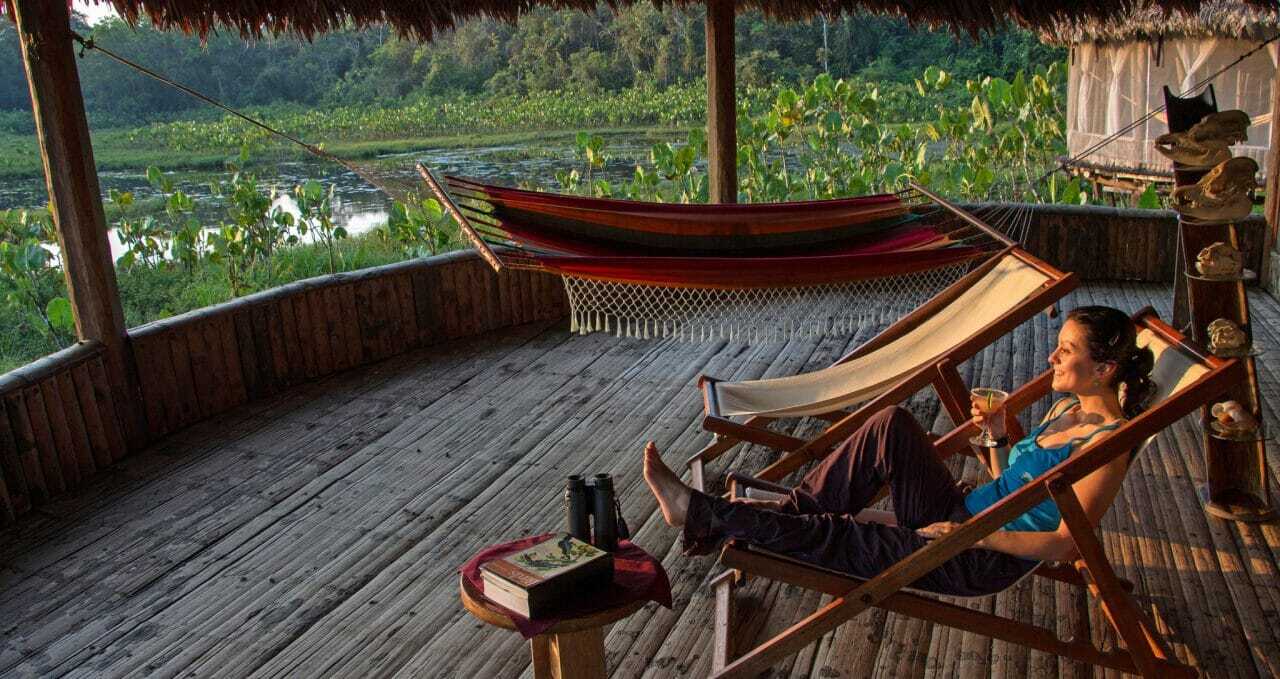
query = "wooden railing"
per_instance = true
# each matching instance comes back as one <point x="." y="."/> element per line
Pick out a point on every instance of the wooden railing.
<point x="61" y="422"/>
<point x="1101" y="243"/>
<point x="61" y="426"/>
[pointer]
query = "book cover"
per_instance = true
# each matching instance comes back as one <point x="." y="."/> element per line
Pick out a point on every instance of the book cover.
<point x="530" y="581"/>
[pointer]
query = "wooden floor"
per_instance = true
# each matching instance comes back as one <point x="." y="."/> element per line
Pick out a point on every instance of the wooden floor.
<point x="318" y="534"/>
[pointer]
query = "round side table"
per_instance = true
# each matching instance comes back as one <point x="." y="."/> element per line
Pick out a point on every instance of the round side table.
<point x="571" y="649"/>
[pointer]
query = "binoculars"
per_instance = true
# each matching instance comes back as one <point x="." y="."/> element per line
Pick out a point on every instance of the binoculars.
<point x="592" y="511"/>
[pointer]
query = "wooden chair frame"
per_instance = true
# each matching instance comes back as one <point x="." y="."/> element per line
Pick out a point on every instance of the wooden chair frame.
<point x="1144" y="652"/>
<point x="942" y="375"/>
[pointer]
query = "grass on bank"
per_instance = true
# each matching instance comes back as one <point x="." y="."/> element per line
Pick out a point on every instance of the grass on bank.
<point x="148" y="294"/>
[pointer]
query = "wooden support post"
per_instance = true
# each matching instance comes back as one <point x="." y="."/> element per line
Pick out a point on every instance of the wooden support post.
<point x="1271" y="250"/>
<point x="48" y="56"/>
<point x="951" y="391"/>
<point x="722" y="639"/>
<point x="1119" y="608"/>
<point x="722" y="115"/>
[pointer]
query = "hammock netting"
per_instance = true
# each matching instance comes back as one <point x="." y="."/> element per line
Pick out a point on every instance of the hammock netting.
<point x="760" y="314"/>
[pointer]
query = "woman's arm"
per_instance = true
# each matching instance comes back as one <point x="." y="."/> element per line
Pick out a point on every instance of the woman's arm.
<point x="1045" y="545"/>
<point x="997" y="460"/>
<point x="1096" y="492"/>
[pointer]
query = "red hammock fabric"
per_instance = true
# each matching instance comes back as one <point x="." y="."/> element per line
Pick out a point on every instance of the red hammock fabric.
<point x="619" y="205"/>
<point x="683" y="220"/>
<point x="907" y="237"/>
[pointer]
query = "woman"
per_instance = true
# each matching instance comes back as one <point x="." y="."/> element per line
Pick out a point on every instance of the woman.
<point x="825" y="521"/>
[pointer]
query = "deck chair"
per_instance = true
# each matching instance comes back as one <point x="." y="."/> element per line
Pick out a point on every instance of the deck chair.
<point x="1187" y="376"/>
<point x="955" y="324"/>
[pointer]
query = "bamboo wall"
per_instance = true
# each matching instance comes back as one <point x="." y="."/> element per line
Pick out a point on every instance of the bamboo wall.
<point x="1102" y="243"/>
<point x="60" y="425"/>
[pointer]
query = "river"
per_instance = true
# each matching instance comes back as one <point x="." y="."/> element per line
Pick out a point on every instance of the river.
<point x="357" y="206"/>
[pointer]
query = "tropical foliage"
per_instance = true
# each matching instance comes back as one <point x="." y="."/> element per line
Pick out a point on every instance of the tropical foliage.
<point x="831" y="139"/>
<point x="31" y="278"/>
<point x="606" y="50"/>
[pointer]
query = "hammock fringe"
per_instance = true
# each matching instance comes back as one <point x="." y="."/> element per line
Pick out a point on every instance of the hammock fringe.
<point x="748" y="315"/>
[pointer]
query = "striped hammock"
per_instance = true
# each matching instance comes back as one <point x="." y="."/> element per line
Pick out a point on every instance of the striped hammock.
<point x="757" y="272"/>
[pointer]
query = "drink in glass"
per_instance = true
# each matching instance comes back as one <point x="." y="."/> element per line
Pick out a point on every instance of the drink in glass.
<point x="987" y="401"/>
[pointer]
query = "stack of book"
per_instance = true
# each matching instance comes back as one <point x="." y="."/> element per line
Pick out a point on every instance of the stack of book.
<point x="539" y="580"/>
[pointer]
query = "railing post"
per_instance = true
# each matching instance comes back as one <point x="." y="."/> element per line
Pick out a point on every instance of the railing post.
<point x="75" y="200"/>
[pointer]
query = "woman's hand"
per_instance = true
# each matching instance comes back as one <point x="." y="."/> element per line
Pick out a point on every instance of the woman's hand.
<point x="934" y="531"/>
<point x="994" y="419"/>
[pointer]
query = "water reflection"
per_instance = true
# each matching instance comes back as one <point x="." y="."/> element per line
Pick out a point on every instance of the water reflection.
<point x="526" y="164"/>
<point x="357" y="206"/>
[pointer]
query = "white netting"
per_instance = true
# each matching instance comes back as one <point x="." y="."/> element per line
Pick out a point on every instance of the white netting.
<point x="750" y="314"/>
<point x="1113" y="84"/>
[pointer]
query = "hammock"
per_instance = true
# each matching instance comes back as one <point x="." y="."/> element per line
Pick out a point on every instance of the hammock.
<point x="682" y="229"/>
<point x="763" y="272"/>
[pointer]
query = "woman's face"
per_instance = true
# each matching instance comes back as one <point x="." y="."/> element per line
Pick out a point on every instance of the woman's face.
<point x="1073" y="371"/>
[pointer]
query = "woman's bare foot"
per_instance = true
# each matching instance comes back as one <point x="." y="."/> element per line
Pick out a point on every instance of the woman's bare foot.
<point x="672" y="494"/>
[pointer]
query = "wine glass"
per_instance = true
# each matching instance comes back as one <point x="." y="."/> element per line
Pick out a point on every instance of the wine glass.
<point x="987" y="401"/>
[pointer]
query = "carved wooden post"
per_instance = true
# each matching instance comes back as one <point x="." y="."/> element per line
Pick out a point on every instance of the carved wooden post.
<point x="48" y="55"/>
<point x="1237" y="484"/>
<point x="722" y="115"/>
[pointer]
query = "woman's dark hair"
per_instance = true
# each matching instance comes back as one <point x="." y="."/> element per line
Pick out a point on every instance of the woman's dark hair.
<point x="1112" y="338"/>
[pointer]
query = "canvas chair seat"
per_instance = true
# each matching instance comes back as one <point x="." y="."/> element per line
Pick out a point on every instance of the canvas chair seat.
<point x="1187" y="377"/>
<point x="986" y="300"/>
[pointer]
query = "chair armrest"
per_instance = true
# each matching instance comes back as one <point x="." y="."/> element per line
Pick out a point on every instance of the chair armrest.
<point x="710" y="403"/>
<point x="1026" y="395"/>
<point x="740" y="479"/>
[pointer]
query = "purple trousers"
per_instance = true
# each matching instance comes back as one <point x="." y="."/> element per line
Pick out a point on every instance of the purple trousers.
<point x="815" y="524"/>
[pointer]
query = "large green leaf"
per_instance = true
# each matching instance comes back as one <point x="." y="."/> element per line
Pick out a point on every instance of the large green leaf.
<point x="998" y="91"/>
<point x="431" y="207"/>
<point x="59" y="312"/>
<point x="932" y="75"/>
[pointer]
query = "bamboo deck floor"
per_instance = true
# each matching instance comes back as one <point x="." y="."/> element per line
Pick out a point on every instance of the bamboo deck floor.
<point x="318" y="533"/>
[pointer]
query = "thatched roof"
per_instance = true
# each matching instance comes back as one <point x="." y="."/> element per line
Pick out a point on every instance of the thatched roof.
<point x="423" y="18"/>
<point x="1219" y="18"/>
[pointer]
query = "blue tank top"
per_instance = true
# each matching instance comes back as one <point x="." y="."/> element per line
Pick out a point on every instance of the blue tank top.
<point x="1027" y="460"/>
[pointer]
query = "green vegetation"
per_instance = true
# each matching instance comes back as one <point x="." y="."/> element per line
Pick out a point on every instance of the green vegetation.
<point x="828" y="140"/>
<point x="35" y="318"/>
<point x="606" y="50"/>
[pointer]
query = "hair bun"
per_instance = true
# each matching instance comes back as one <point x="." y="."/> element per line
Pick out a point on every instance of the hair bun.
<point x="1141" y="361"/>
